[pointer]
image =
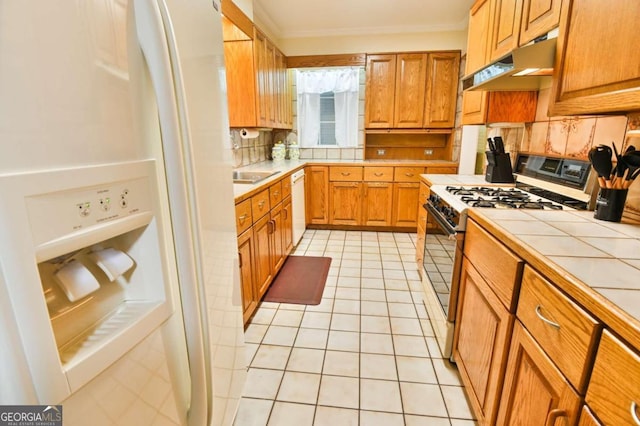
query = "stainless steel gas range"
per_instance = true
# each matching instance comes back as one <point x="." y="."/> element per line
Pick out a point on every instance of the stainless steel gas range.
<point x="542" y="183"/>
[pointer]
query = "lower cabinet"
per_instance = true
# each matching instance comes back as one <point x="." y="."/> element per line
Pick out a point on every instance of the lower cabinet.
<point x="482" y="336"/>
<point x="245" y="253"/>
<point x="263" y="264"/>
<point x="276" y="236"/>
<point x="377" y="203"/>
<point x="287" y="225"/>
<point x="535" y="391"/>
<point x="405" y="200"/>
<point x="345" y="203"/>
<point x="316" y="187"/>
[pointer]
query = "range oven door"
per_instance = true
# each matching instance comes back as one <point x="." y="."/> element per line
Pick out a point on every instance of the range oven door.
<point x="442" y="264"/>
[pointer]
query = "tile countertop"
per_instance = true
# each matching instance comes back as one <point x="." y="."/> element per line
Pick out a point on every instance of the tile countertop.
<point x="594" y="261"/>
<point x="242" y="191"/>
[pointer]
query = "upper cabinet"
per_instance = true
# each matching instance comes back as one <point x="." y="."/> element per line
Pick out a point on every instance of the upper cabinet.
<point x="517" y="22"/>
<point x="411" y="90"/>
<point x="597" y="62"/>
<point x="258" y="88"/>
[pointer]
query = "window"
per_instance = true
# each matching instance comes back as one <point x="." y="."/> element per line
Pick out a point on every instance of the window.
<point x="327" y="119"/>
<point x="328" y="107"/>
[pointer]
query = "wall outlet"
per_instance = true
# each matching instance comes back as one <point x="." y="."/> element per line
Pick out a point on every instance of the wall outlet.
<point x="428" y="152"/>
<point x="381" y="152"/>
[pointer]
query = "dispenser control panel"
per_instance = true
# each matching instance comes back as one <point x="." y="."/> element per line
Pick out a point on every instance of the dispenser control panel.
<point x="57" y="214"/>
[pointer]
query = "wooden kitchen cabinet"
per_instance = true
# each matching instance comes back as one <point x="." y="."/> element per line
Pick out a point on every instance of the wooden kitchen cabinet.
<point x="405" y="200"/>
<point x="377" y="203"/>
<point x="506" y="15"/>
<point x="481" y="107"/>
<point x="442" y="89"/>
<point x="258" y="88"/>
<point x="278" y="254"/>
<point x="316" y="187"/>
<point x="481" y="342"/>
<point x="597" y="66"/>
<point x="345" y="203"/>
<point x="539" y="17"/>
<point x="614" y="394"/>
<point x="247" y="282"/>
<point x="411" y="90"/>
<point x="262" y="230"/>
<point x="410" y="81"/>
<point x="534" y="391"/>
<point x="380" y="91"/>
<point x="287" y="225"/>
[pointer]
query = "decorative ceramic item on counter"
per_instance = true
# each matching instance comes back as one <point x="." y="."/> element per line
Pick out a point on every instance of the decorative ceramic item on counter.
<point x="294" y="151"/>
<point x="278" y="152"/>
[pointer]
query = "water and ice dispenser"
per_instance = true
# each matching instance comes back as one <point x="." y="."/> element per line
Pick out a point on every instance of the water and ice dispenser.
<point x="86" y="262"/>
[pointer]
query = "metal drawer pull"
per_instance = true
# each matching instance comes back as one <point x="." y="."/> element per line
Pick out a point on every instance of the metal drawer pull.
<point x="408" y="174"/>
<point x="261" y="204"/>
<point x="378" y="174"/>
<point x="345" y="173"/>
<point x="553" y="416"/>
<point x="634" y="412"/>
<point x="548" y="321"/>
<point x="242" y="218"/>
<point x="276" y="193"/>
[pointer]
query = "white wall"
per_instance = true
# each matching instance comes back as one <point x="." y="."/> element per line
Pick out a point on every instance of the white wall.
<point x="452" y="40"/>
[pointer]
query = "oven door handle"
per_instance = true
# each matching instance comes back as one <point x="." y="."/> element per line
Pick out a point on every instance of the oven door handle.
<point x="443" y="223"/>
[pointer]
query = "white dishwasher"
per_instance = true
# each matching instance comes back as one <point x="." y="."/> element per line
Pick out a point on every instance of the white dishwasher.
<point x="297" y="205"/>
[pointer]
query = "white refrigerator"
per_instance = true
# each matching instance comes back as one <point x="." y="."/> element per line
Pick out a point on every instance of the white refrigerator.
<point x="119" y="290"/>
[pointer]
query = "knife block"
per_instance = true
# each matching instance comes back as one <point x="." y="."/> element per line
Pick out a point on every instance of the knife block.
<point x="499" y="168"/>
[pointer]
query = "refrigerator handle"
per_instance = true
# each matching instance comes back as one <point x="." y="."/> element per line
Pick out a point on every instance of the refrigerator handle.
<point x="157" y="43"/>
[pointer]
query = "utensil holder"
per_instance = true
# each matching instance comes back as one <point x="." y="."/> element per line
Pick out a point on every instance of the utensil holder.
<point x="610" y="204"/>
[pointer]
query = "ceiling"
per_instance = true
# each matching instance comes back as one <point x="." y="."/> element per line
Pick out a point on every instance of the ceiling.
<point x="313" y="18"/>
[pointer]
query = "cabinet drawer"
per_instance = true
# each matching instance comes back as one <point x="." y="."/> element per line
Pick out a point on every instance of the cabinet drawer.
<point x="563" y="329"/>
<point x="442" y="170"/>
<point x="614" y="394"/>
<point x="244" y="219"/>
<point x="345" y="174"/>
<point x="497" y="264"/>
<point x="275" y="193"/>
<point x="378" y="174"/>
<point x="286" y="186"/>
<point x="407" y="174"/>
<point x="260" y="204"/>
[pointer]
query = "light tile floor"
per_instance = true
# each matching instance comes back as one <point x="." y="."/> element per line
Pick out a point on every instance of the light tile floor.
<point x="365" y="355"/>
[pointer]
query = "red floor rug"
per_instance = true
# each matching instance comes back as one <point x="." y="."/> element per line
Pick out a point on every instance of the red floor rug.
<point x="300" y="281"/>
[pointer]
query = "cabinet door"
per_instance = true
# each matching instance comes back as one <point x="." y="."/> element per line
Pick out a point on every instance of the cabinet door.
<point x="405" y="200"/>
<point x="535" y="392"/>
<point x="506" y="27"/>
<point x="272" y="83"/>
<point x="377" y="204"/>
<point x="442" y="89"/>
<point x="263" y="100"/>
<point x="538" y="17"/>
<point x="245" y="253"/>
<point x="241" y="83"/>
<point x="345" y="203"/>
<point x="410" y="81"/>
<point x="380" y="88"/>
<point x="599" y="66"/>
<point x="483" y="328"/>
<point x="277" y="239"/>
<point x="479" y="38"/>
<point x="316" y="187"/>
<point x="287" y="226"/>
<point x="262" y="231"/>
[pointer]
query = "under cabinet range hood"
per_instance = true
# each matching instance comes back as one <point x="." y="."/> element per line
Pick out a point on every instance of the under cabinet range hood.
<point x="526" y="68"/>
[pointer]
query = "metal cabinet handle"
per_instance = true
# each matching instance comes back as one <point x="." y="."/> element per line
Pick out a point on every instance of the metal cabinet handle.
<point x="242" y="218"/>
<point x="261" y="204"/>
<point x="274" y="225"/>
<point x="546" y="320"/>
<point x="240" y="259"/>
<point x="276" y="193"/>
<point x="408" y="174"/>
<point x="553" y="416"/>
<point x="345" y="173"/>
<point x="378" y="174"/>
<point x="286" y="213"/>
<point x="634" y="412"/>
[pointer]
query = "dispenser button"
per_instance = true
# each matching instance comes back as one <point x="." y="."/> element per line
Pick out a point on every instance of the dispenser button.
<point x="84" y="209"/>
<point x="105" y="204"/>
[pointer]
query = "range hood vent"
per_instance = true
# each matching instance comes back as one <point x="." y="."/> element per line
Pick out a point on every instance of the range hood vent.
<point x="526" y="68"/>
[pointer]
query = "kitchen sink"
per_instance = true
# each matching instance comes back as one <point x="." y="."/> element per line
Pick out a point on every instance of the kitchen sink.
<point x="251" y="176"/>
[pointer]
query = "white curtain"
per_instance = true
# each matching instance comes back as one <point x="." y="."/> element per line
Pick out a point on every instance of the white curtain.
<point x="344" y="83"/>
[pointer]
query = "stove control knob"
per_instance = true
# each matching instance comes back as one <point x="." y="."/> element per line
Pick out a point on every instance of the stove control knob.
<point x="434" y="198"/>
